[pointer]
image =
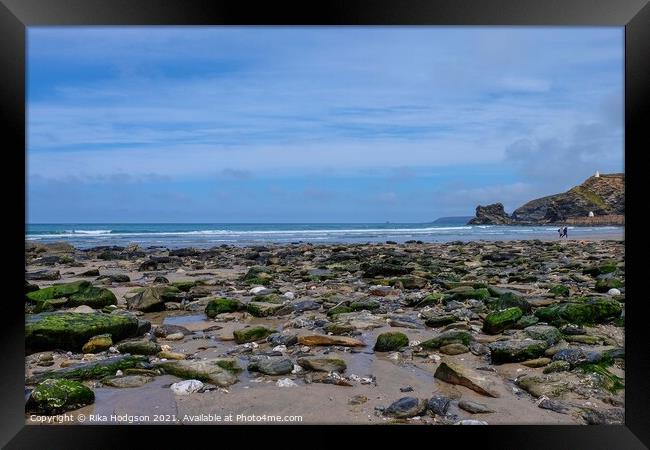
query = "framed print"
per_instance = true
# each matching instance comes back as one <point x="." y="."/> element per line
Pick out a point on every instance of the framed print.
<point x="395" y="217"/>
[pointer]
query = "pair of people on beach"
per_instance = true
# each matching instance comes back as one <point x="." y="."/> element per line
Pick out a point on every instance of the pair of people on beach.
<point x="563" y="232"/>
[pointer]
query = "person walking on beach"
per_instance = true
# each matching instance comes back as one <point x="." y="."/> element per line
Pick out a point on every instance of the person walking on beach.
<point x="560" y="232"/>
<point x="565" y="232"/>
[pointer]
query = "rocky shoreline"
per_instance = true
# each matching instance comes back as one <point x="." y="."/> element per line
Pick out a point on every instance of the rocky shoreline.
<point x="456" y="333"/>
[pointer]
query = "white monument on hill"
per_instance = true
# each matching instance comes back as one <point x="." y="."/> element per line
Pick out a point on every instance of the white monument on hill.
<point x="597" y="174"/>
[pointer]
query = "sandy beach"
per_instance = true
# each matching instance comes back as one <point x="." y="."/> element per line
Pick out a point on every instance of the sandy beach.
<point x="505" y="332"/>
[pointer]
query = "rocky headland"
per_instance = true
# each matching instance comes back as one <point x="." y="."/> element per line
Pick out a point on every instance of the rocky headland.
<point x="456" y="333"/>
<point x="600" y="200"/>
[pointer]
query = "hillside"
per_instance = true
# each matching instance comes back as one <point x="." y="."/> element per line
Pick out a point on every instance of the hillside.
<point x="602" y="195"/>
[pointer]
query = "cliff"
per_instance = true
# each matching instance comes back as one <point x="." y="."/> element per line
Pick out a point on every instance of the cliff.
<point x="602" y="195"/>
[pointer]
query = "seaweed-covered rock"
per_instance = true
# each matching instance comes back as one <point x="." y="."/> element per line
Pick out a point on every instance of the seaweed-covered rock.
<point x="498" y="321"/>
<point x="250" y="334"/>
<point x="222" y="305"/>
<point x="581" y="311"/>
<point x="92" y="370"/>
<point x="468" y="293"/>
<point x="448" y="337"/>
<point x="58" y="291"/>
<point x="70" y="331"/>
<point x="607" y="284"/>
<point x="516" y="350"/>
<point x="601" y="269"/>
<point x="56" y="396"/>
<point x="263" y="309"/>
<point x="94" y="297"/>
<point x="544" y="333"/>
<point x="387" y="342"/>
<point x="139" y="347"/>
<point x="560" y="290"/>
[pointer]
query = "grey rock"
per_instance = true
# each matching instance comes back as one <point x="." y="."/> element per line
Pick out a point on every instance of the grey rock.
<point x="406" y="407"/>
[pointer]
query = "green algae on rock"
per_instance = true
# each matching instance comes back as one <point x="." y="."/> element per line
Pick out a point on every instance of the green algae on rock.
<point x="56" y="396"/>
<point x="581" y="311"/>
<point x="70" y="331"/>
<point x="250" y="334"/>
<point x="387" y="342"/>
<point x="222" y="305"/>
<point x="498" y="321"/>
<point x="448" y="337"/>
<point x="92" y="370"/>
<point x="516" y="350"/>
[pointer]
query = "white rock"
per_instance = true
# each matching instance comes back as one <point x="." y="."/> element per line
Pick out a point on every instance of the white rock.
<point x="289" y="295"/>
<point x="85" y="309"/>
<point x="165" y="348"/>
<point x="297" y="369"/>
<point x="186" y="387"/>
<point x="614" y="291"/>
<point x="119" y="373"/>
<point x="471" y="422"/>
<point x="174" y="336"/>
<point x="280" y="348"/>
<point x="257" y="289"/>
<point x="285" y="382"/>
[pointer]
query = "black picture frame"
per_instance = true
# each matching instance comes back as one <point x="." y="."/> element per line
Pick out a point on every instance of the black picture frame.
<point x="634" y="15"/>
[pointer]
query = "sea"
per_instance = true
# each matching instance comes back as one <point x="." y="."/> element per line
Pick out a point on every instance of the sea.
<point x="206" y="235"/>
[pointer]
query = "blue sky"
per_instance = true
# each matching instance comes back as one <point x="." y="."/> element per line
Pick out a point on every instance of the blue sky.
<point x="315" y="124"/>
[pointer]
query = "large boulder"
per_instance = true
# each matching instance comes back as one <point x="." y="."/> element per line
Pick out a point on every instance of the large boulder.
<point x="70" y="331"/>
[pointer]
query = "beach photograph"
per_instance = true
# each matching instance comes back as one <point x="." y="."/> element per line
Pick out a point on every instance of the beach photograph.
<point x="336" y="225"/>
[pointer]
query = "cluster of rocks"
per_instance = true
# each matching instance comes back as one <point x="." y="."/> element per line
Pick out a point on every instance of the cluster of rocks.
<point x="533" y="319"/>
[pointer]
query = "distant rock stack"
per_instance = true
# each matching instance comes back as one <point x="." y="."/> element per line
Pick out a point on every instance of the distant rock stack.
<point x="493" y="214"/>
